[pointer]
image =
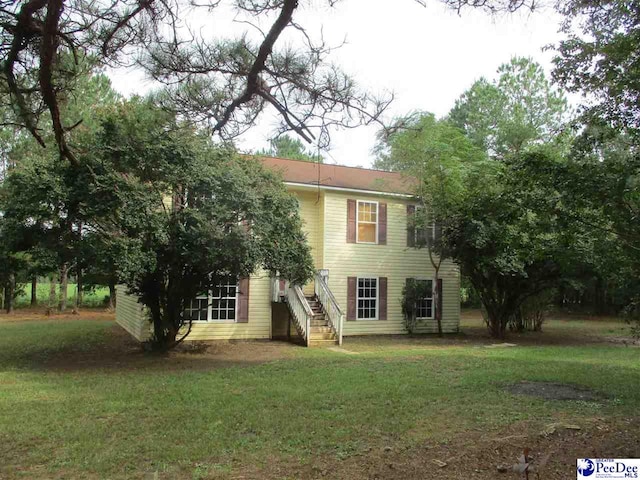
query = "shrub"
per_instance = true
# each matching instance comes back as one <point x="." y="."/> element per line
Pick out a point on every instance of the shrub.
<point x="412" y="292"/>
<point x="532" y="313"/>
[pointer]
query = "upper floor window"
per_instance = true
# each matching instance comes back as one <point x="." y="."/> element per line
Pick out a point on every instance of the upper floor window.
<point x="419" y="235"/>
<point x="367" y="222"/>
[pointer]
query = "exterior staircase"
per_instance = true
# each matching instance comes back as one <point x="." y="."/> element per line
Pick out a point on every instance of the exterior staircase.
<point x="317" y="318"/>
<point x="321" y="334"/>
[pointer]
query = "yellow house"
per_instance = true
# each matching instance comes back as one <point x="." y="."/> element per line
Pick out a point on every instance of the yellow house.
<point x="358" y="224"/>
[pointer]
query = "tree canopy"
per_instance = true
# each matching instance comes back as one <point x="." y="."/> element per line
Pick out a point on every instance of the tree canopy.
<point x="183" y="214"/>
<point x="517" y="110"/>
<point x="599" y="58"/>
<point x="286" y="147"/>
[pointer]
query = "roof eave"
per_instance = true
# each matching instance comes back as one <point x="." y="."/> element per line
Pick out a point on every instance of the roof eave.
<point x="310" y="186"/>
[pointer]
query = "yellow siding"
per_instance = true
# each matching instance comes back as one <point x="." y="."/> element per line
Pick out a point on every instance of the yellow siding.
<point x="310" y="204"/>
<point x="393" y="260"/>
<point x="131" y="315"/>
<point x="259" y="324"/>
<point x="324" y="214"/>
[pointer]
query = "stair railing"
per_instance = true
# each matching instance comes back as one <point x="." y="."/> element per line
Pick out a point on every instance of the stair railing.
<point x="300" y="311"/>
<point x="334" y="314"/>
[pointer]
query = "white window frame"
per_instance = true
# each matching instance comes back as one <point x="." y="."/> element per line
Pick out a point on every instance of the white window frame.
<point x="209" y="298"/>
<point x="368" y="277"/>
<point x="433" y="310"/>
<point x="377" y="223"/>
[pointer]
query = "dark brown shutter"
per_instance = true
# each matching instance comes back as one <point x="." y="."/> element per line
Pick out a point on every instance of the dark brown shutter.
<point x="439" y="311"/>
<point x="351" y="221"/>
<point x="411" y="228"/>
<point x="352" y="285"/>
<point x="243" y="300"/>
<point x="382" y="298"/>
<point x="382" y="223"/>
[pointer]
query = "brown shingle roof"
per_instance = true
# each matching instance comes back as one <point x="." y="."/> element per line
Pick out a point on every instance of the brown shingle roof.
<point x="312" y="173"/>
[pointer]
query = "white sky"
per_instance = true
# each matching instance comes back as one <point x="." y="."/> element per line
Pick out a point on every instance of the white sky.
<point x="426" y="56"/>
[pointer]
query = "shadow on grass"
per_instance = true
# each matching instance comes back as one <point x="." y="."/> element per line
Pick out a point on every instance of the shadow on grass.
<point x="79" y="345"/>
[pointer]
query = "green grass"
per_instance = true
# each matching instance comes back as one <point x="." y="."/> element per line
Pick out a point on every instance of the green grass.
<point x="96" y="297"/>
<point x="146" y="418"/>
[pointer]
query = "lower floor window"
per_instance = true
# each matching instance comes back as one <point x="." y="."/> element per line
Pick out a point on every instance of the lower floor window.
<point x="424" y="307"/>
<point x="367" y="299"/>
<point x="219" y="305"/>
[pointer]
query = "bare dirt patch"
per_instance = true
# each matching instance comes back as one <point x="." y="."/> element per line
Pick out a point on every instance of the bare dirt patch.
<point x="40" y="314"/>
<point x="473" y="454"/>
<point x="555" y="391"/>
<point x="119" y="351"/>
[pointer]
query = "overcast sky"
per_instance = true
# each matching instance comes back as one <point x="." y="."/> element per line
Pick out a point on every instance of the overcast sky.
<point x="426" y="56"/>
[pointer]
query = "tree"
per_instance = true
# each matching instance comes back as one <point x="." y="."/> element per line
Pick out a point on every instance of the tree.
<point x="39" y="205"/>
<point x="513" y="237"/>
<point x="224" y="84"/>
<point x="518" y="110"/>
<point x="440" y="157"/>
<point x="286" y="147"/>
<point x="181" y="214"/>
<point x="598" y="58"/>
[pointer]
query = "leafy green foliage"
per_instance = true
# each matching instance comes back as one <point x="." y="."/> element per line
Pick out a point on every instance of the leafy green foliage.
<point x="286" y="147"/>
<point x="412" y="292"/>
<point x="599" y="58"/>
<point x="441" y="158"/>
<point x="513" y="237"/>
<point x="180" y="215"/>
<point x="519" y="109"/>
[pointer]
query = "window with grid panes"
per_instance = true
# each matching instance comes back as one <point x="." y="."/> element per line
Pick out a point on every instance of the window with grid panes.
<point x="219" y="305"/>
<point x="367" y="298"/>
<point x="367" y="219"/>
<point x="424" y="307"/>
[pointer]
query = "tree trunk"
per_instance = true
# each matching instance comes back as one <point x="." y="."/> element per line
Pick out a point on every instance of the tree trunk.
<point x="64" y="282"/>
<point x="52" y="291"/>
<point x="112" y="296"/>
<point x="34" y="291"/>
<point x="79" y="288"/>
<point x="9" y="293"/>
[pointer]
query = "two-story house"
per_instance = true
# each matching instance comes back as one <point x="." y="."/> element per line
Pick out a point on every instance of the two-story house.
<point x="358" y="225"/>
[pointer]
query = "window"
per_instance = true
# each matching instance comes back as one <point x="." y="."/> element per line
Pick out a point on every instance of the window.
<point x="367" y="220"/>
<point x="223" y="300"/>
<point x="367" y="299"/>
<point x="219" y="305"/>
<point x="425" y="233"/>
<point x="424" y="307"/>
<point x="198" y="310"/>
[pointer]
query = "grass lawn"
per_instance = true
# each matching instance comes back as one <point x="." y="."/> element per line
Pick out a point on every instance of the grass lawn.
<point x="78" y="399"/>
<point x="93" y="298"/>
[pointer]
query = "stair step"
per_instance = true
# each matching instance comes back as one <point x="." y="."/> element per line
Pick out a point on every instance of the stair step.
<point x="320" y="329"/>
<point x="322" y="343"/>
<point x="322" y="336"/>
